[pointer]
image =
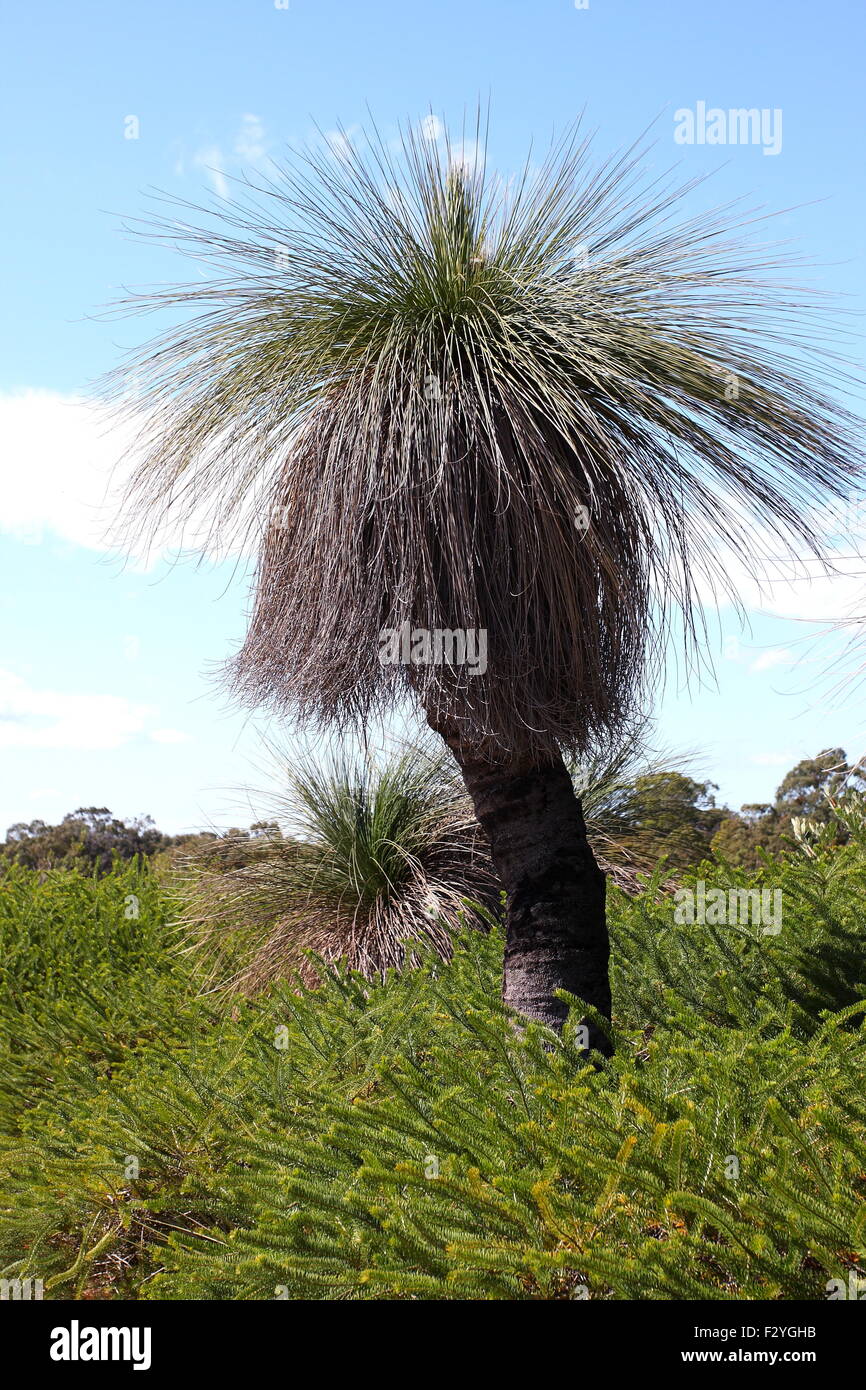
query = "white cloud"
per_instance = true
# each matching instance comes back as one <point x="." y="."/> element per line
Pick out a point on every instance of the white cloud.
<point x="212" y="160"/>
<point x="61" y="458"/>
<point x="807" y="590"/>
<point x="468" y="156"/>
<point x="249" y="145"/>
<point x="31" y="718"/>
<point x="774" y="656"/>
<point x="169" y="736"/>
<point x="67" y="462"/>
<point x="250" y="142"/>
<point x="432" y="129"/>
<point x="342" y="142"/>
<point x="815" y="589"/>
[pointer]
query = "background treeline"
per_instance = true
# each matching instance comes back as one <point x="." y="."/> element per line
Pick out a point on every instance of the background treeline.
<point x="638" y="819"/>
<point x="91" y="839"/>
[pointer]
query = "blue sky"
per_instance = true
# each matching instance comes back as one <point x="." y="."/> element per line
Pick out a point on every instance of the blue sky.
<point x="108" y="692"/>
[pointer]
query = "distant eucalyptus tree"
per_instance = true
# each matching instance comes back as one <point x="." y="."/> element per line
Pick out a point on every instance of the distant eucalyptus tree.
<point x="541" y="410"/>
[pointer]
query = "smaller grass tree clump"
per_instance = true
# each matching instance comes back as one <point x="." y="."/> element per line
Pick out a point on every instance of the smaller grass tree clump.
<point x="385" y="853"/>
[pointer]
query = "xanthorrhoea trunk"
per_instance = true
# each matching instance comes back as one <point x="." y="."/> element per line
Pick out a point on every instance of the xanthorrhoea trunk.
<point x="556" y="930"/>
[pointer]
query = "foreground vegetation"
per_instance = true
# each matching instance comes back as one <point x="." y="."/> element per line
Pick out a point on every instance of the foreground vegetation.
<point x="398" y="1139"/>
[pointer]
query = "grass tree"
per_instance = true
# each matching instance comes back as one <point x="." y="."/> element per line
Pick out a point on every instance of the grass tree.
<point x="381" y="852"/>
<point x="541" y="409"/>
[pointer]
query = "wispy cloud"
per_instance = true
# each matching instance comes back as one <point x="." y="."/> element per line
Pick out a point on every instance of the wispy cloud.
<point x="432" y="128"/>
<point x="466" y="154"/>
<point x="38" y="718"/>
<point x="248" y="145"/>
<point x="64" y="466"/>
<point x="818" y="588"/>
<point x="773" y="759"/>
<point x="67" y="465"/>
<point x="212" y="161"/>
<point x="342" y="142"/>
<point x="775" y="656"/>
<point x="32" y="718"/>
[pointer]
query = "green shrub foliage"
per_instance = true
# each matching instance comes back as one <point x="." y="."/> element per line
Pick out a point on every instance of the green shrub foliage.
<point x="401" y="1139"/>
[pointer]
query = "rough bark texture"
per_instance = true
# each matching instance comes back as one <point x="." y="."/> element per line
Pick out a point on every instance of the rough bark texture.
<point x="556" y="930"/>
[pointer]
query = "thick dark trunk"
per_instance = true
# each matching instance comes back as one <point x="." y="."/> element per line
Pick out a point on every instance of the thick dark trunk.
<point x="556" y="931"/>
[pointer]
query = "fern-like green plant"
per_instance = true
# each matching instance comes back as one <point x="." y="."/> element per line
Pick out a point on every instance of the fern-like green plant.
<point x="397" y="1138"/>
